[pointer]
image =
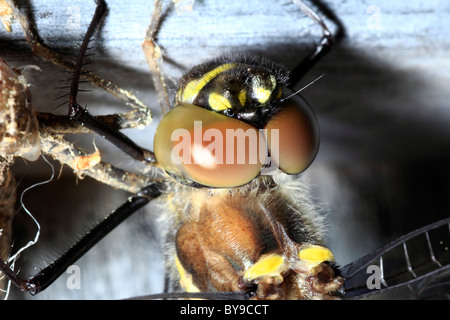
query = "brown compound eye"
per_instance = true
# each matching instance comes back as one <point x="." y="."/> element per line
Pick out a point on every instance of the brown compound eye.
<point x="192" y="143"/>
<point x="293" y="136"/>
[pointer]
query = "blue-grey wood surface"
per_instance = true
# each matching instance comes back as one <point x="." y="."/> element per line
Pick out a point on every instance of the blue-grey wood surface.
<point x="383" y="107"/>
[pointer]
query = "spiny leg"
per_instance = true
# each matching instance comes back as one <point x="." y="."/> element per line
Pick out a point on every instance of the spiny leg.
<point x="60" y="124"/>
<point x="82" y="116"/>
<point x="51" y="128"/>
<point x="37" y="46"/>
<point x="141" y="115"/>
<point x="48" y="135"/>
<point x="49" y="274"/>
<point x="154" y="58"/>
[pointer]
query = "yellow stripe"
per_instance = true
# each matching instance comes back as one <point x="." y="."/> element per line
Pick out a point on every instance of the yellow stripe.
<point x="243" y="97"/>
<point x="218" y="102"/>
<point x="192" y="89"/>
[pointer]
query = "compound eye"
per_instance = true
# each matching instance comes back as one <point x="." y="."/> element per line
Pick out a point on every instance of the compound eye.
<point x="293" y="136"/>
<point x="195" y="144"/>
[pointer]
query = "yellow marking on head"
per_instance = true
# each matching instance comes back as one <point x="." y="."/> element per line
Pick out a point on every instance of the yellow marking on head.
<point x="315" y="255"/>
<point x="185" y="278"/>
<point x="261" y="94"/>
<point x="218" y="102"/>
<point x="270" y="265"/>
<point x="242" y="97"/>
<point x="192" y="88"/>
<point x="262" y="90"/>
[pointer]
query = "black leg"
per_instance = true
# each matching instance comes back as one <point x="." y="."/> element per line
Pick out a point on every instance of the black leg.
<point x="326" y="43"/>
<point x="49" y="274"/>
<point x="82" y="116"/>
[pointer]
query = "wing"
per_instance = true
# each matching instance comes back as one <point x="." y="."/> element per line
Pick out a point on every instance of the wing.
<point x="416" y="264"/>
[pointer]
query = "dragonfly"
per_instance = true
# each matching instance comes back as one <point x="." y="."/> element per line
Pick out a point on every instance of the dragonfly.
<point x="345" y="273"/>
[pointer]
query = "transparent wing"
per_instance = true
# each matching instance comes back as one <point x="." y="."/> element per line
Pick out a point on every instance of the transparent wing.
<point x="416" y="265"/>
